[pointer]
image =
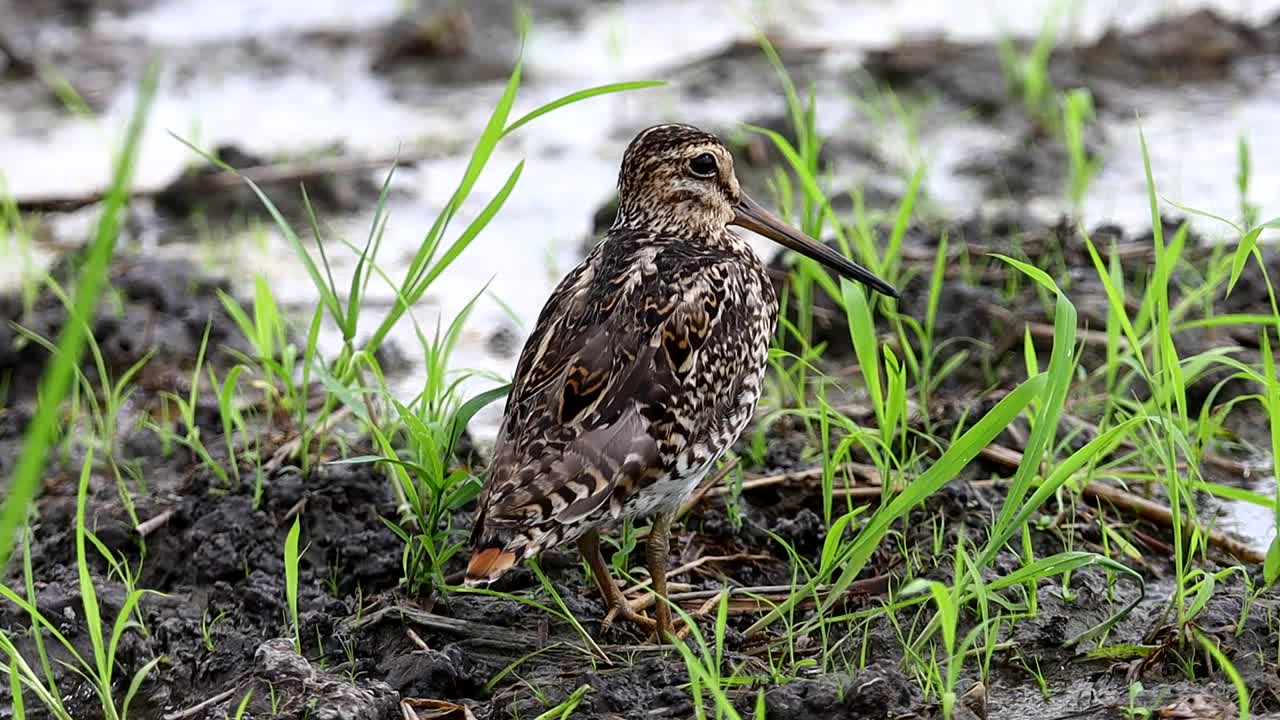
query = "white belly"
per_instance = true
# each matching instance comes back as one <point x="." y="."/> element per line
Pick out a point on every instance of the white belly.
<point x="668" y="494"/>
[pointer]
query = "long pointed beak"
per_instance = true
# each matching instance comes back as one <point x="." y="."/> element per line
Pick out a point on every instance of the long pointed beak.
<point x="752" y="216"/>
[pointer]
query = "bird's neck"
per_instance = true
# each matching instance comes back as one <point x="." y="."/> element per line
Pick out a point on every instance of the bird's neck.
<point x="720" y="242"/>
<point x="674" y="222"/>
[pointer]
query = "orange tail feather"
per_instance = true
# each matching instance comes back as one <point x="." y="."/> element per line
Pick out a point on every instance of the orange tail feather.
<point x="488" y="565"/>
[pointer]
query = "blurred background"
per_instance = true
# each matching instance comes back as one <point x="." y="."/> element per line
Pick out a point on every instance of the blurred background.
<point x="330" y="92"/>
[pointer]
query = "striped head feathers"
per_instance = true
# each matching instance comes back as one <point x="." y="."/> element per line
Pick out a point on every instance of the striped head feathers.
<point x="678" y="180"/>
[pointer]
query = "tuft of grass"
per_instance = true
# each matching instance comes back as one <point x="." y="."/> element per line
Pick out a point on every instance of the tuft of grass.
<point x="1027" y="75"/>
<point x="431" y="488"/>
<point x="843" y="559"/>
<point x="1244" y="174"/>
<point x="105" y="400"/>
<point x="1077" y="113"/>
<point x="186" y="410"/>
<point x="99" y="669"/>
<point x="705" y="666"/>
<point x="948" y="603"/>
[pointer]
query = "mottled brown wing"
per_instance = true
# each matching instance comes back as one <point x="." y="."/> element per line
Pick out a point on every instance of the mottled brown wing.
<point x="586" y="419"/>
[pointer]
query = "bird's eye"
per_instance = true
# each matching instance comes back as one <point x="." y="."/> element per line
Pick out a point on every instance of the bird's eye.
<point x="703" y="166"/>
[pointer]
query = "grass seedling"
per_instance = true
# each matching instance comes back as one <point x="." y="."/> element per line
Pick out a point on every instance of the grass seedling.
<point x="187" y="414"/>
<point x="1271" y="567"/>
<point x="1027" y="76"/>
<point x="430" y="486"/>
<point x="229" y="415"/>
<point x="243" y="707"/>
<point x="705" y="671"/>
<point x="564" y="710"/>
<point x="949" y="602"/>
<point x="1244" y="172"/>
<point x="274" y="358"/>
<point x="99" y="669"/>
<point x="291" y="556"/>
<point x="105" y="401"/>
<point x="1077" y="113"/>
<point x="921" y="364"/>
<point x="207" y="627"/>
<point x="49" y="695"/>
<point x="564" y="610"/>
<point x="948" y="615"/>
<point x="1210" y="646"/>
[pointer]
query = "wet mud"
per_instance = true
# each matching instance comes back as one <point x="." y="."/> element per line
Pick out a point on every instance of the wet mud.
<point x="221" y="618"/>
<point x="1201" y="47"/>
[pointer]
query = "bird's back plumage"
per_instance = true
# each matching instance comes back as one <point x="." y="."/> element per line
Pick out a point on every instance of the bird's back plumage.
<point x="643" y="368"/>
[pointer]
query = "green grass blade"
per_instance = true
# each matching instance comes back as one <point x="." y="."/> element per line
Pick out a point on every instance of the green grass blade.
<point x="580" y="95"/>
<point x="901" y="223"/>
<point x="359" y="277"/>
<point x="135" y="684"/>
<point x="948" y="466"/>
<point x="60" y="373"/>
<point x="37" y="635"/>
<point x="468" y="410"/>
<point x="1050" y="409"/>
<point x="327" y="296"/>
<point x="587" y="640"/>
<point x="412" y="292"/>
<point x="862" y="333"/>
<point x="15" y="689"/>
<point x="1247" y="243"/>
<point x="1210" y="646"/>
<point x="88" y="594"/>
<point x="291" y="578"/>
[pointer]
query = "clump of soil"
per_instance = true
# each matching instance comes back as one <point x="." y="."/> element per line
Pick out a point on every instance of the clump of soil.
<point x="1199" y="47"/>
<point x="157" y="306"/>
<point x="211" y="192"/>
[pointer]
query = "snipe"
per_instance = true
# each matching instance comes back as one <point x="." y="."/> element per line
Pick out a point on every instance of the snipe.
<point x="643" y="368"/>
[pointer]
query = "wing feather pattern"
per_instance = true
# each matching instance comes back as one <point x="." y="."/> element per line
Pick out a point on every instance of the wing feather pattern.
<point x="593" y="411"/>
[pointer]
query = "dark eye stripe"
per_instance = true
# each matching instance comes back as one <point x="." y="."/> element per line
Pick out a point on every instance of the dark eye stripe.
<point x="704" y="165"/>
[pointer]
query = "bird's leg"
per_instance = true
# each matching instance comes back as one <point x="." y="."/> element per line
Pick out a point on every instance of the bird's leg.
<point x="615" y="603"/>
<point x="656" y="548"/>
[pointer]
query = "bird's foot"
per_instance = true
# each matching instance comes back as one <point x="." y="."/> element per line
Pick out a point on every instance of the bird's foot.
<point x="632" y="610"/>
<point x="671" y="635"/>
<point x="621" y="609"/>
<point x="666" y="631"/>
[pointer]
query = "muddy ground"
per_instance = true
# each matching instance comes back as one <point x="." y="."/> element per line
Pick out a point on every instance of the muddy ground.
<point x="215" y="553"/>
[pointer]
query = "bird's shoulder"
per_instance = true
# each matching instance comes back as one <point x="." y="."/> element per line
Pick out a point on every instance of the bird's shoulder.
<point x="631" y="286"/>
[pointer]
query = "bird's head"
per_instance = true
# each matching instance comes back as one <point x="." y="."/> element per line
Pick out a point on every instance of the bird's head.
<point x="679" y="180"/>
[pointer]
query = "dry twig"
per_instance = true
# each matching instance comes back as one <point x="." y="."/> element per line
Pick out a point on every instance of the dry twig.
<point x="149" y="526"/>
<point x="195" y="710"/>
<point x="1142" y="507"/>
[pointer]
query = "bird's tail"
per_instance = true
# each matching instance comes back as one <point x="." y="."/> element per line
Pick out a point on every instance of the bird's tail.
<point x="488" y="565"/>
